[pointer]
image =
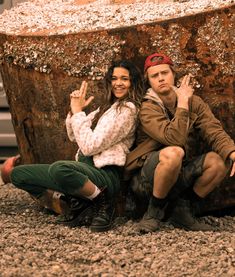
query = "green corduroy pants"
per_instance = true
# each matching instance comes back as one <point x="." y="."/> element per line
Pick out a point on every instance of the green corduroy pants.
<point x="66" y="177"/>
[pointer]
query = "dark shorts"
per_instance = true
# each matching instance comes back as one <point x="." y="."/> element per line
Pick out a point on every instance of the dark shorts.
<point x="142" y="183"/>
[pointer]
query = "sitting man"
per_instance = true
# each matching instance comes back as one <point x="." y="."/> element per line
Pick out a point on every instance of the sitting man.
<point x="171" y="119"/>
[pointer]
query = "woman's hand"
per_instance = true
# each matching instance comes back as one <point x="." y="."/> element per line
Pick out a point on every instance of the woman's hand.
<point x="78" y="99"/>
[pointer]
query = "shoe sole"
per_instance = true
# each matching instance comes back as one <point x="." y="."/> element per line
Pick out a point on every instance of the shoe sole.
<point x="79" y="221"/>
<point x="101" y="229"/>
<point x="145" y="230"/>
<point x="180" y="226"/>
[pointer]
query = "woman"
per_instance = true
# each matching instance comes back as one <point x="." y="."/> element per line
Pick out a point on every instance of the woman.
<point x="104" y="138"/>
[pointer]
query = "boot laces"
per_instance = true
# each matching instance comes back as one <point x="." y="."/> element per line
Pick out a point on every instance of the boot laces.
<point x="101" y="205"/>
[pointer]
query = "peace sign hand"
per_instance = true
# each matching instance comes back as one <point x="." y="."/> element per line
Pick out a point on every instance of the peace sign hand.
<point x="78" y="99"/>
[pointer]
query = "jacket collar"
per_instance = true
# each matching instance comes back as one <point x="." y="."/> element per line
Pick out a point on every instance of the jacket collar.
<point x="152" y="95"/>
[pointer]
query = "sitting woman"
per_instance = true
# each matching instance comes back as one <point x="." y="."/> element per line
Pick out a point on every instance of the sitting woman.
<point x="104" y="138"/>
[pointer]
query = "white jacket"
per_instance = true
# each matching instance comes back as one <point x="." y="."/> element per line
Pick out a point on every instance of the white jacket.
<point x="110" y="141"/>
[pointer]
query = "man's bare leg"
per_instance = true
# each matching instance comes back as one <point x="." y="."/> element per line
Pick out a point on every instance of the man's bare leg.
<point x="167" y="171"/>
<point x="214" y="171"/>
<point x="165" y="176"/>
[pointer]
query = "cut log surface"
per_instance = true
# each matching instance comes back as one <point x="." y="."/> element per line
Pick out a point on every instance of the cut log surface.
<point x="48" y="47"/>
<point x="42" y="17"/>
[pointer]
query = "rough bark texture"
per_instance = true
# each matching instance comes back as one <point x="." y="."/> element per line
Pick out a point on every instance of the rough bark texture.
<point x="39" y="72"/>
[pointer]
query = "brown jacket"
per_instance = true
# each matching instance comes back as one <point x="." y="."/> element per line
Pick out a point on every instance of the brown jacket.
<point x="160" y="128"/>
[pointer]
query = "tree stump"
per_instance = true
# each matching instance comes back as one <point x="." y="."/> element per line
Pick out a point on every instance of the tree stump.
<point x="41" y="66"/>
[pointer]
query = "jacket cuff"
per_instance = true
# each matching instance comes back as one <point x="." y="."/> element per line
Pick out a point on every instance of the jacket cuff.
<point x="182" y="112"/>
<point x="226" y="153"/>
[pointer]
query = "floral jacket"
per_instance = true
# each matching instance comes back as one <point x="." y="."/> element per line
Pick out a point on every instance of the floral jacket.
<point x="110" y="141"/>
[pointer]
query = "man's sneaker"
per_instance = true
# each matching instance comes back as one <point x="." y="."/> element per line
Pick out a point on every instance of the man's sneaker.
<point x="104" y="213"/>
<point x="151" y="219"/>
<point x="182" y="217"/>
<point x="81" y="213"/>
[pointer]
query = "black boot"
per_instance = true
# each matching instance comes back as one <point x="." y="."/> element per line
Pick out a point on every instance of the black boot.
<point x="182" y="217"/>
<point x="104" y="213"/>
<point x="80" y="213"/>
<point x="152" y="218"/>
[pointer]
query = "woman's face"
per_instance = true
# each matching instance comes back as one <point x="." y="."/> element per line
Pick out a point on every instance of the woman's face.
<point x="120" y="82"/>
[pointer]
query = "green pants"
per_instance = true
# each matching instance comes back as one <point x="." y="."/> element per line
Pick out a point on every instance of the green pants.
<point x="66" y="177"/>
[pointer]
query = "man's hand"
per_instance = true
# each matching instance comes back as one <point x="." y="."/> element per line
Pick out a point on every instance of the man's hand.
<point x="232" y="157"/>
<point x="78" y="99"/>
<point x="184" y="92"/>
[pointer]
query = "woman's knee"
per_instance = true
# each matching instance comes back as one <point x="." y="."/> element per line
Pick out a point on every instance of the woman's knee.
<point x="16" y="176"/>
<point x="58" y="171"/>
<point x="172" y="155"/>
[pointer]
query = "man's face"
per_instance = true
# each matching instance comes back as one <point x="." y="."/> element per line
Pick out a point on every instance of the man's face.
<point x="161" y="78"/>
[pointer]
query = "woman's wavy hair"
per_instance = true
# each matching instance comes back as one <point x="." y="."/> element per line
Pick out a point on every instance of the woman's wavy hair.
<point x="135" y="93"/>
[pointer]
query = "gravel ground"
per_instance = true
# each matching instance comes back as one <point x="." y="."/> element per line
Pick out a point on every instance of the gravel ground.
<point x="32" y="244"/>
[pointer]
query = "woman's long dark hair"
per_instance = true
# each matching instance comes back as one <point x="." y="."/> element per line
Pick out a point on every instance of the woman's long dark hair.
<point x="135" y="93"/>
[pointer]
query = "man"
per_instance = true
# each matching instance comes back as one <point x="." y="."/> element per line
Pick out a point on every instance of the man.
<point x="170" y="120"/>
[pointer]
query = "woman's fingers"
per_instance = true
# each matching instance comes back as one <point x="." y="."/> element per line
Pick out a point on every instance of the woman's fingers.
<point x="75" y="93"/>
<point x="83" y="89"/>
<point x="81" y="93"/>
<point x="82" y="86"/>
<point x="88" y="101"/>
